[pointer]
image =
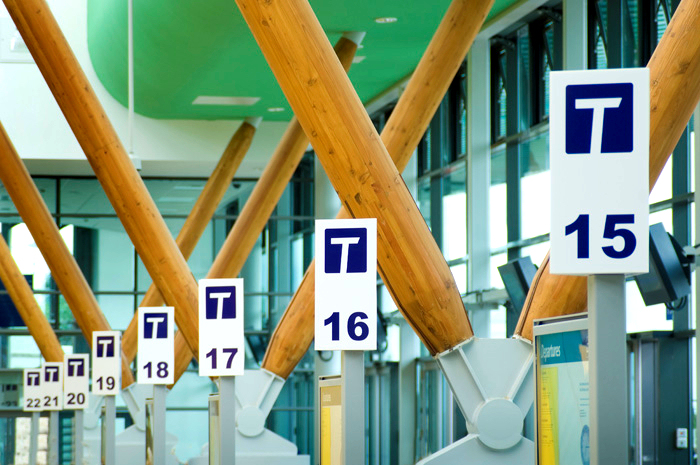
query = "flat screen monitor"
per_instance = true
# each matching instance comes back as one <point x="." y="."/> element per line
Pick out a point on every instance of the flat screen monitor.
<point x="517" y="276"/>
<point x="669" y="274"/>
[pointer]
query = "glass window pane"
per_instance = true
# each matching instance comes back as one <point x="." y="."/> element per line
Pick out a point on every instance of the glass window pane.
<point x="535" y="187"/>
<point x="497" y="199"/>
<point x="663" y="189"/>
<point x="641" y="318"/>
<point x="454" y="217"/>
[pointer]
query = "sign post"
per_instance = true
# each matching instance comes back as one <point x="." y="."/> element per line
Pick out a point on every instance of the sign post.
<point x="76" y="385"/>
<point x="222" y="352"/>
<point x="32" y="398"/>
<point x="599" y="155"/>
<point x="106" y="381"/>
<point x="53" y="394"/>
<point x="345" y="315"/>
<point x="156" y="362"/>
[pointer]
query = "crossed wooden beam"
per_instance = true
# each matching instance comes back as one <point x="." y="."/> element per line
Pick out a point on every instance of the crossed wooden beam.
<point x="353" y="155"/>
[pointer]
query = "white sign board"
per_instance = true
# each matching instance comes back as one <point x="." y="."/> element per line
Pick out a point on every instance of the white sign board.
<point x="156" y="345"/>
<point x="346" y="284"/>
<point x="599" y="156"/>
<point x="52" y="385"/>
<point x="33" y="395"/>
<point x="76" y="381"/>
<point x="106" y="363"/>
<point x="221" y="339"/>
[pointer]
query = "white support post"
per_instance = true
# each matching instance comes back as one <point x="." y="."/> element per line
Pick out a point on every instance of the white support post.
<point x="575" y="28"/>
<point x="353" y="401"/>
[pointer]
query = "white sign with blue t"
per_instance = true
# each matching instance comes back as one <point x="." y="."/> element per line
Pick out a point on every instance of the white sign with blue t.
<point x="599" y="156"/>
<point x="106" y="363"/>
<point x="52" y="385"/>
<point x="76" y="381"/>
<point x="156" y="345"/>
<point x="32" y="393"/>
<point x="346" y="284"/>
<point x="221" y="338"/>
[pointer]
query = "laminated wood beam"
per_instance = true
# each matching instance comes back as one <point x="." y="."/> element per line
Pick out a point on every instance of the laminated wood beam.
<point x="262" y="201"/>
<point x="360" y="168"/>
<point x="401" y="135"/>
<point x="27" y="307"/>
<point x="675" y="91"/>
<point x="116" y="173"/>
<point x="64" y="269"/>
<point x="198" y="219"/>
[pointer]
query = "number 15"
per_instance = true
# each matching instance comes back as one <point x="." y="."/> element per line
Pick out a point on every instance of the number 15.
<point x="582" y="226"/>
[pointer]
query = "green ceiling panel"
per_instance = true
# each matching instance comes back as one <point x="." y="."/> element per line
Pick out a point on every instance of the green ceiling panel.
<point x="187" y="48"/>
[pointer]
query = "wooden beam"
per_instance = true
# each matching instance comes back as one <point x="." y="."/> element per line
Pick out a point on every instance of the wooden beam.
<point x="23" y="297"/>
<point x="64" y="269"/>
<point x="402" y="132"/>
<point x="199" y="218"/>
<point x="675" y="92"/>
<point x="262" y="201"/>
<point x="116" y="173"/>
<point x="360" y="168"/>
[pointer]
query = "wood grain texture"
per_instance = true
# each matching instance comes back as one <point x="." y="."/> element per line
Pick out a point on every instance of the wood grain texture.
<point x="197" y="221"/>
<point x="261" y="203"/>
<point x="64" y="269"/>
<point x="675" y="91"/>
<point x="405" y="127"/>
<point x="112" y="166"/>
<point x="23" y="297"/>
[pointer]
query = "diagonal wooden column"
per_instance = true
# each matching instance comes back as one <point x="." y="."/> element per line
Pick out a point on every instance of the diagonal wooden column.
<point x="116" y="173"/>
<point x="401" y="135"/>
<point x="198" y="219"/>
<point x="675" y="91"/>
<point x="64" y="269"/>
<point x="27" y="307"/>
<point x="360" y="168"/>
<point x="262" y="201"/>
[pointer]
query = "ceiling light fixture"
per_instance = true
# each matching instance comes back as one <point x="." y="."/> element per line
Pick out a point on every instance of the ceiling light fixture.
<point x="385" y="20"/>
<point x="359" y="59"/>
<point x="275" y="109"/>
<point x="223" y="100"/>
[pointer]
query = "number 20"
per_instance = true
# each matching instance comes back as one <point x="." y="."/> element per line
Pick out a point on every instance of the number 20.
<point x="582" y="226"/>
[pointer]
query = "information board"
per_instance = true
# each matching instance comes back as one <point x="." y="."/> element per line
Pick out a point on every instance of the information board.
<point x="106" y="363"/>
<point x="599" y="156"/>
<point x="562" y="387"/>
<point x="76" y="381"/>
<point x="156" y="345"/>
<point x="221" y="338"/>
<point x="52" y="385"/>
<point x="346" y="284"/>
<point x="32" y="394"/>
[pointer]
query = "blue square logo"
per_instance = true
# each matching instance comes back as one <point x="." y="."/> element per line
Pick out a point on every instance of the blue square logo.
<point x="51" y="374"/>
<point x="346" y="250"/>
<point x="76" y="367"/>
<point x="155" y="325"/>
<point x="105" y="346"/>
<point x="221" y="302"/>
<point x="33" y="378"/>
<point x="599" y="118"/>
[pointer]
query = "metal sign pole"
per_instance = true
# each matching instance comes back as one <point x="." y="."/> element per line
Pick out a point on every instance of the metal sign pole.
<point x="34" y="438"/>
<point x="109" y="418"/>
<point x="78" y="425"/>
<point x="353" y="410"/>
<point x="227" y="420"/>
<point x="53" y="437"/>
<point x="157" y="425"/>
<point x="607" y="351"/>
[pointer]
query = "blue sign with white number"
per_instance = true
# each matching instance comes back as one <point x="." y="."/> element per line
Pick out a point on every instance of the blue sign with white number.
<point x="221" y="302"/>
<point x="155" y="325"/>
<point x="599" y="118"/>
<point x="346" y="250"/>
